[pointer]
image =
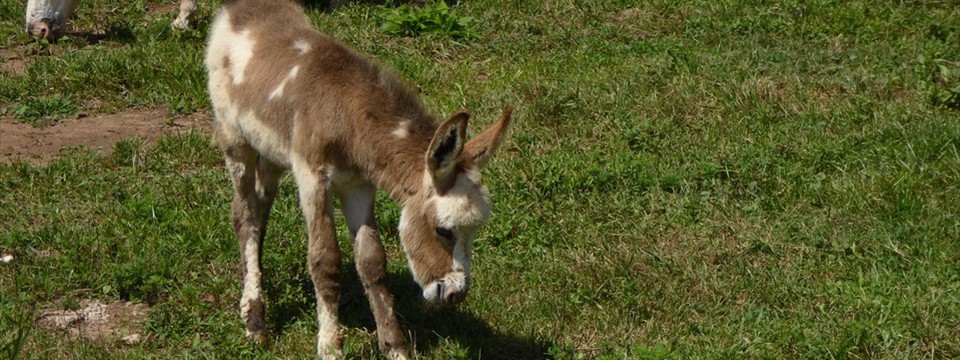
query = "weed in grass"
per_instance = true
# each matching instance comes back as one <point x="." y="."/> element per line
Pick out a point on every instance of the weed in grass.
<point x="13" y="340"/>
<point x="39" y="47"/>
<point x="44" y="111"/>
<point x="129" y="153"/>
<point x="434" y="17"/>
<point x="944" y="88"/>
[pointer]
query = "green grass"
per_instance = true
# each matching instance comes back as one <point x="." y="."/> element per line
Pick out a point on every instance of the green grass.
<point x="41" y="112"/>
<point x="685" y="179"/>
<point x="431" y="17"/>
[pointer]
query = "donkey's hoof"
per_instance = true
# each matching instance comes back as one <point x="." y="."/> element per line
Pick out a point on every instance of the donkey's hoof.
<point x="330" y="354"/>
<point x="397" y="354"/>
<point x="179" y="24"/>
<point x="331" y="348"/>
<point x="259" y="338"/>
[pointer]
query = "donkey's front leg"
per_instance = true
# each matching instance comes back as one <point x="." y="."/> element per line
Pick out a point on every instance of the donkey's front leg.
<point x="323" y="256"/>
<point x="357" y="204"/>
<point x="187" y="9"/>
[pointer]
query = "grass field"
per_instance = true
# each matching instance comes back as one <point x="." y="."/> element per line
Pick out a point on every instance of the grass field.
<point x="685" y="179"/>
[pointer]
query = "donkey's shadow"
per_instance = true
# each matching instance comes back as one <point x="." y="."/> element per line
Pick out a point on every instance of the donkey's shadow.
<point x="426" y="328"/>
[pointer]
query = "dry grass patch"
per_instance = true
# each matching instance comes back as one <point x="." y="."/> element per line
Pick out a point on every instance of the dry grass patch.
<point x="98" y="321"/>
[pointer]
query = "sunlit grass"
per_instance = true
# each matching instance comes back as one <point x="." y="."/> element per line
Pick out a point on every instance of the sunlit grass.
<point x="683" y="179"/>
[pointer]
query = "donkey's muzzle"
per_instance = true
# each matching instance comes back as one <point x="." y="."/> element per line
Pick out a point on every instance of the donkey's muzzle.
<point x="448" y="291"/>
<point x="46" y="28"/>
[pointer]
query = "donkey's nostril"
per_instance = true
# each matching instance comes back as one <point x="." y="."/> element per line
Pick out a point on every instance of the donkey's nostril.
<point x="40" y="30"/>
<point x="455" y="296"/>
<point x="452" y="298"/>
<point x="448" y="291"/>
<point x="44" y="30"/>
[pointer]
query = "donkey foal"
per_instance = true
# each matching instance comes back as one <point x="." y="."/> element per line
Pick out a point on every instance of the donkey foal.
<point x="288" y="97"/>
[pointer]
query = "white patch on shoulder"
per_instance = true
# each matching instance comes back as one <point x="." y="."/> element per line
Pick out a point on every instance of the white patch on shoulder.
<point x="302" y="45"/>
<point x="227" y="44"/>
<point x="278" y="92"/>
<point x="241" y="50"/>
<point x="402" y="130"/>
<point x="219" y="77"/>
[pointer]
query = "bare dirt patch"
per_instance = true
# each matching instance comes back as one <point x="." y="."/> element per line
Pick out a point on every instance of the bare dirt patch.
<point x="98" y="321"/>
<point x="14" y="61"/>
<point x="165" y="8"/>
<point x="42" y="145"/>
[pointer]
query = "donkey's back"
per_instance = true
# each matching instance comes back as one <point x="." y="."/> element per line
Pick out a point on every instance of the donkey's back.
<point x="276" y="82"/>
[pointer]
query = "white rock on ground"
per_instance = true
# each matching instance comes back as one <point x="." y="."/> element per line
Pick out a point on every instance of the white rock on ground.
<point x="131" y="339"/>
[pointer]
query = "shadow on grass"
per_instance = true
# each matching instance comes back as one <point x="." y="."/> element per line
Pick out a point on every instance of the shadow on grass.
<point x="115" y="31"/>
<point x="425" y="328"/>
<point x="428" y="328"/>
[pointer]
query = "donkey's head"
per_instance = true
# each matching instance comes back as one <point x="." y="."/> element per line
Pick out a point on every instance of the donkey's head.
<point x="438" y="224"/>
<point x="47" y="19"/>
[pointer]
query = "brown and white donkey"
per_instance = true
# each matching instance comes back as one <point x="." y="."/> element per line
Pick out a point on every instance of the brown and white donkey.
<point x="286" y="96"/>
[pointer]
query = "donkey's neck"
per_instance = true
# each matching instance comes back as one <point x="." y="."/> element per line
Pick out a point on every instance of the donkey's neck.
<point x="394" y="131"/>
<point x="396" y="156"/>
<point x="400" y="179"/>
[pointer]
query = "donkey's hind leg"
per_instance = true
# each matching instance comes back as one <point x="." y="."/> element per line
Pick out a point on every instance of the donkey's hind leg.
<point x="268" y="180"/>
<point x="357" y="203"/>
<point x="255" y="186"/>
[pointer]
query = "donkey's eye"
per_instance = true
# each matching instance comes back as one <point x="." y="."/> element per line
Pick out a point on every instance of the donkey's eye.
<point x="445" y="233"/>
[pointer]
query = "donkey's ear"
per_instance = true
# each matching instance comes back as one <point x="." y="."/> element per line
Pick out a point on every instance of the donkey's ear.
<point x="445" y="149"/>
<point x="482" y="147"/>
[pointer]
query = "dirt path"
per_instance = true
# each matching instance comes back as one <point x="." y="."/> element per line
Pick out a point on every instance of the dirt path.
<point x="13" y="61"/>
<point x="40" y="146"/>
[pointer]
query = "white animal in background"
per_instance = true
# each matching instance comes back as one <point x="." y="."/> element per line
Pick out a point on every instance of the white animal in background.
<point x="47" y="19"/>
